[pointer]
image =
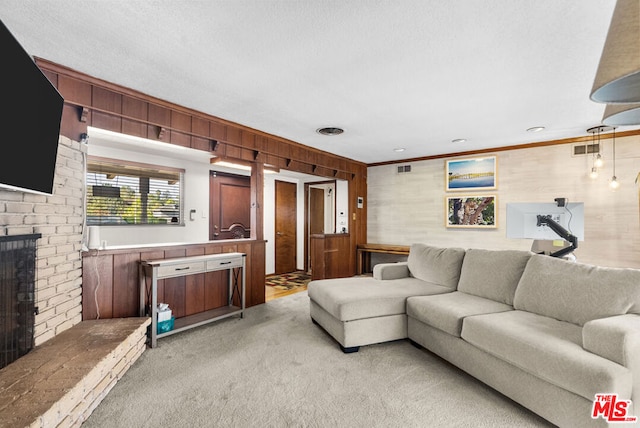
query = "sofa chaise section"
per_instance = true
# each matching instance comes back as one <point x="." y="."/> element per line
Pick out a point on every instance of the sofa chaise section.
<point x="366" y="310"/>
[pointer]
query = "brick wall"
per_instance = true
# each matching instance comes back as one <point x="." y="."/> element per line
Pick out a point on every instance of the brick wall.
<point x="59" y="218"/>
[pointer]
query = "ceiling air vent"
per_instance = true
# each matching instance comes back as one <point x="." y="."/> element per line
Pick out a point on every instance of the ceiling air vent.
<point x="404" y="168"/>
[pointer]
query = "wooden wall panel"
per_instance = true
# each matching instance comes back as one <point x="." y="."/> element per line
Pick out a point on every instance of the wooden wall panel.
<point x="117" y="273"/>
<point x="255" y="293"/>
<point x="180" y="121"/>
<point x="217" y="131"/>
<point x="174" y="124"/>
<point x="194" y="287"/>
<point x="179" y="138"/>
<point x="97" y="274"/>
<point x="215" y="292"/>
<point x="234" y="136"/>
<point x="106" y="121"/>
<point x="106" y="100"/>
<point x="74" y="91"/>
<point x="160" y="116"/>
<point x="135" y="114"/>
<point x="125" y="284"/>
<point x="248" y="140"/>
<point x="234" y="152"/>
<point x="200" y="127"/>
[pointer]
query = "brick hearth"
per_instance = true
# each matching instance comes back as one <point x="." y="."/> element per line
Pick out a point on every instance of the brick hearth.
<point x="60" y="382"/>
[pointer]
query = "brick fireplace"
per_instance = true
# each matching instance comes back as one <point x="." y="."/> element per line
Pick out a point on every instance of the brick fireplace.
<point x="17" y="296"/>
<point x="58" y="219"/>
<point x="76" y="362"/>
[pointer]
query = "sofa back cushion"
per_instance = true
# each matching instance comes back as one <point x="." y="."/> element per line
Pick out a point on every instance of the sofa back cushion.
<point x="439" y="266"/>
<point x="493" y="274"/>
<point x="576" y="292"/>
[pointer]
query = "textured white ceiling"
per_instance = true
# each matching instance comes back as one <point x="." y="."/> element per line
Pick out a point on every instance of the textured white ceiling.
<point x="406" y="73"/>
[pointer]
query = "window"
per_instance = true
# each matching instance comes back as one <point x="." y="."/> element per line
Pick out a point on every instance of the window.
<point x="127" y="193"/>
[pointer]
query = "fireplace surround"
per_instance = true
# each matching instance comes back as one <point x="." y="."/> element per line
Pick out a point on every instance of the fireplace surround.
<point x="17" y="296"/>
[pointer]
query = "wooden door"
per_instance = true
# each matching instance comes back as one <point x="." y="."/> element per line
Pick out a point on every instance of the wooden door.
<point x="230" y="206"/>
<point x="316" y="210"/>
<point x="285" y="227"/>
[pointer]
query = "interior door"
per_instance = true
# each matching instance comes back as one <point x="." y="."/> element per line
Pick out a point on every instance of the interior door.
<point x="285" y="227"/>
<point x="316" y="210"/>
<point x="230" y="206"/>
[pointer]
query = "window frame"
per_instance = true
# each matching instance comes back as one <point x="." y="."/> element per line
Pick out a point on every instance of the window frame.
<point x="139" y="170"/>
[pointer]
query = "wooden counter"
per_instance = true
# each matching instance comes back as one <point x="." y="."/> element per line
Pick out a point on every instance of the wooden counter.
<point x="110" y="278"/>
<point x="363" y="254"/>
<point x="330" y="255"/>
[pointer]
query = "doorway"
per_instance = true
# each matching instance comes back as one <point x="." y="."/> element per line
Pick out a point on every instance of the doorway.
<point x="285" y="226"/>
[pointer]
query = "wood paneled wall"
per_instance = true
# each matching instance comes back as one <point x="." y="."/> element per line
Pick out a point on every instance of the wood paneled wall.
<point x="110" y="283"/>
<point x="110" y="277"/>
<point x="94" y="102"/>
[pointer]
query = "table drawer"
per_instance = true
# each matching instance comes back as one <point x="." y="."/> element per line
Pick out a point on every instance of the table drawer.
<point x="179" y="269"/>
<point x="226" y="263"/>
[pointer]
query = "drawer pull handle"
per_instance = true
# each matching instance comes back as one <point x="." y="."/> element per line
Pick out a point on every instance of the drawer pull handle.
<point x="224" y="263"/>
<point x="183" y="268"/>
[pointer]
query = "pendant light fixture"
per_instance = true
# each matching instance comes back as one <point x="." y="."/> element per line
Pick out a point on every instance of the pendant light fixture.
<point x="614" y="183"/>
<point x="594" y="170"/>
<point x="618" y="77"/>
<point x="598" y="162"/>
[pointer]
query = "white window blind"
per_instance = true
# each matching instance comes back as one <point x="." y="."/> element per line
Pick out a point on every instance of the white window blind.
<point x="126" y="193"/>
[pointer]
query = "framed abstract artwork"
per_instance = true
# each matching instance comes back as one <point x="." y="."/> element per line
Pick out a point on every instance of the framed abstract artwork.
<point x="473" y="211"/>
<point x="472" y="174"/>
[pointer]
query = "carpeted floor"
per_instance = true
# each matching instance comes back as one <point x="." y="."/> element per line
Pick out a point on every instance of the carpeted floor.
<point x="275" y="368"/>
<point x="288" y="281"/>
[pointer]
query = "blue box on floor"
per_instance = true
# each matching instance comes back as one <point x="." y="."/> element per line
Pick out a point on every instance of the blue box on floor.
<point x="165" y="326"/>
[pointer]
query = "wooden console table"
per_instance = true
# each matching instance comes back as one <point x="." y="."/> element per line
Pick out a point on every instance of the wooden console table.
<point x="364" y="254"/>
<point x="235" y="263"/>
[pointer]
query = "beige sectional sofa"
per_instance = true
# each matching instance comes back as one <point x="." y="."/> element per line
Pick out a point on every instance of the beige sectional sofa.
<point x="548" y="333"/>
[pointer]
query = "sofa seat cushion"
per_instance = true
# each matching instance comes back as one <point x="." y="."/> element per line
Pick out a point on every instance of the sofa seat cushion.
<point x="446" y="311"/>
<point x="355" y="298"/>
<point x="548" y="349"/>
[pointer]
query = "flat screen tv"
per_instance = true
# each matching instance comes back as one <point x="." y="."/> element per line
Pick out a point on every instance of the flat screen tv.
<point x="522" y="220"/>
<point x="30" y="122"/>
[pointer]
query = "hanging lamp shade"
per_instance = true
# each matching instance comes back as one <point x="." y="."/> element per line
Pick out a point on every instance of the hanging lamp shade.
<point x="621" y="114"/>
<point x="618" y="76"/>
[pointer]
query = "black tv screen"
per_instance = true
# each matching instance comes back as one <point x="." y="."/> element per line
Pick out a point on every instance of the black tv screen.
<point x="30" y="121"/>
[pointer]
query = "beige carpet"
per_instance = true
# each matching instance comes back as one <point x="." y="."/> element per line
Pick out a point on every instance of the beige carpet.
<point x="274" y="368"/>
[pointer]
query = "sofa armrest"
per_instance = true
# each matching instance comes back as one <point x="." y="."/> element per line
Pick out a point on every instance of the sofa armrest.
<point x="615" y="338"/>
<point x="397" y="270"/>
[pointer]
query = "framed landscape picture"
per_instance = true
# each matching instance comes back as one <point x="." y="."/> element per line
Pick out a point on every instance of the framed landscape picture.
<point x="473" y="174"/>
<point x="476" y="211"/>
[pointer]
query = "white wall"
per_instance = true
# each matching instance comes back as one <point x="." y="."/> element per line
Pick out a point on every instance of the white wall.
<point x="407" y="208"/>
<point x="196" y="195"/>
<point x="342" y="206"/>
